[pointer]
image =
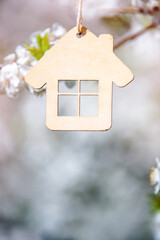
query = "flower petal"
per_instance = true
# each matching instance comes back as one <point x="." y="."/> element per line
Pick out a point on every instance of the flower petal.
<point x="158" y="162"/>
<point x="57" y="30"/>
<point x="46" y="31"/>
<point x="10" y="58"/>
<point x="9" y="70"/>
<point x="23" y="70"/>
<point x="156" y="188"/>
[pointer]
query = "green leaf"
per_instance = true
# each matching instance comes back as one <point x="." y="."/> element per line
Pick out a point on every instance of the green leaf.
<point x="45" y="43"/>
<point x="26" y="45"/>
<point x="39" y="41"/>
<point x="37" y="53"/>
<point x="155" y="203"/>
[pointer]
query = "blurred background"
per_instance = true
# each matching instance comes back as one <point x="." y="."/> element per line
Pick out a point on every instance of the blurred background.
<point x="80" y="185"/>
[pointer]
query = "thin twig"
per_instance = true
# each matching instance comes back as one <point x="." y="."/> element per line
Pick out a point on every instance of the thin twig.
<point x="132" y="37"/>
<point x="132" y="10"/>
<point x="120" y="10"/>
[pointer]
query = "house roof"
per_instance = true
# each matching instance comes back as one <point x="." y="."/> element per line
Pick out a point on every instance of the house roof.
<point x="87" y="36"/>
<point x="88" y="57"/>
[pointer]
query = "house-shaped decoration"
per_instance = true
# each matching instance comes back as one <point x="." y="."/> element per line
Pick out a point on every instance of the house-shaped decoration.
<point x="87" y="60"/>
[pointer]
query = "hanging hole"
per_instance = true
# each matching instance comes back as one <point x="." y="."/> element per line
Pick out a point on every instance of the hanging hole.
<point x="79" y="35"/>
<point x="82" y="32"/>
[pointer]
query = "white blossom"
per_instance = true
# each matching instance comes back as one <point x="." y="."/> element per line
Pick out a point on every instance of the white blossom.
<point x="23" y="70"/>
<point x="18" y="64"/>
<point x="155" y="177"/>
<point x="10" y="58"/>
<point x="144" y="3"/>
<point x="34" y="35"/>
<point x="10" y="79"/>
<point x="58" y="30"/>
<point x="23" y="56"/>
<point x="33" y="63"/>
<point x="46" y="31"/>
<point x="33" y="39"/>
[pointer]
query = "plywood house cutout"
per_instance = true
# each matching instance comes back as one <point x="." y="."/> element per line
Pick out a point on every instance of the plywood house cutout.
<point x="88" y="66"/>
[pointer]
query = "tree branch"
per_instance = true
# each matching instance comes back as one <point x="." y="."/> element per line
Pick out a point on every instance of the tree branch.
<point x="132" y="37"/>
<point x="120" y="11"/>
<point x="132" y="10"/>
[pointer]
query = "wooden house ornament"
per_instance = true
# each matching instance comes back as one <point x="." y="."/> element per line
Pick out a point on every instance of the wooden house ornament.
<point x="80" y="60"/>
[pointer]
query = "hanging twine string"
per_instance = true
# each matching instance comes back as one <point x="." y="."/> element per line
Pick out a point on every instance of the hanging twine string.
<point x="79" y="17"/>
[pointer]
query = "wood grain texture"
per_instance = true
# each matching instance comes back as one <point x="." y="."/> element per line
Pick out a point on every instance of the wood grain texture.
<point x="85" y="58"/>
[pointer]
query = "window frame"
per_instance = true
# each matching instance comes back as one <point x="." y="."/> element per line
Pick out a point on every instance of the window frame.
<point x="78" y="94"/>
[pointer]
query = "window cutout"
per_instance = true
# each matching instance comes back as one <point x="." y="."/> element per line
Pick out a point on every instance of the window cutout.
<point x="88" y="106"/>
<point x="67" y="105"/>
<point x="68" y="86"/>
<point x="89" y="86"/>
